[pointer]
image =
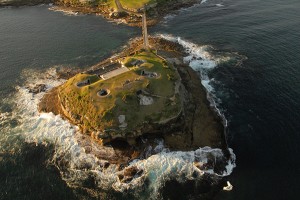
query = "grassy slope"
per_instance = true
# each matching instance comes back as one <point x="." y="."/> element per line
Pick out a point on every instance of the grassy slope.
<point x="98" y="113"/>
<point x="135" y="4"/>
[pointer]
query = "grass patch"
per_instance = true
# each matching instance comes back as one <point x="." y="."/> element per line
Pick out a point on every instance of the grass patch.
<point x="100" y="113"/>
<point x="134" y="4"/>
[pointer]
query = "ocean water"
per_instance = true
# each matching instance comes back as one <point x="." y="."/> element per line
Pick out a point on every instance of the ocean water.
<point x="250" y="67"/>
<point x="261" y="97"/>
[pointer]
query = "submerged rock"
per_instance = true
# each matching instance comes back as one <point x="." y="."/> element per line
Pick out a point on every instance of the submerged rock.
<point x="129" y="173"/>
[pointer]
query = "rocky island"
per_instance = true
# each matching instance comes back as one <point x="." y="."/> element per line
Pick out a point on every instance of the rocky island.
<point x="140" y="94"/>
<point x="144" y="94"/>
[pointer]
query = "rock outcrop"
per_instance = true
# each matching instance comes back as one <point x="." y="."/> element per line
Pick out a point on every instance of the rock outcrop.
<point x="196" y="125"/>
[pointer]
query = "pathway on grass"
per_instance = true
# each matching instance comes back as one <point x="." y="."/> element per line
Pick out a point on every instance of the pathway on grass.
<point x="114" y="73"/>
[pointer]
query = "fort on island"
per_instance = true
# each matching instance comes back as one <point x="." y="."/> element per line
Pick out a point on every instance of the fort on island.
<point x="115" y="100"/>
<point x="145" y="91"/>
<point x="140" y="116"/>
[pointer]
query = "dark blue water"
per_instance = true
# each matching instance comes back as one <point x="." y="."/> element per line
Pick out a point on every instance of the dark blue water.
<point x="260" y="98"/>
<point x="34" y="37"/>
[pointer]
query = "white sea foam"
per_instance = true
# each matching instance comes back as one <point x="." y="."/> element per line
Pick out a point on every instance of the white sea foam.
<point x="64" y="11"/>
<point x="76" y="165"/>
<point x="211" y="3"/>
<point x="200" y="59"/>
<point x="175" y="165"/>
<point x="169" y="17"/>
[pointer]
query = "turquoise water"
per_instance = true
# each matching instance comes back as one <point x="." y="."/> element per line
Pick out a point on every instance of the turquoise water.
<point x="259" y="98"/>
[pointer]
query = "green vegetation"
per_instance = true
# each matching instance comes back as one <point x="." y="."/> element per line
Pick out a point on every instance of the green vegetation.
<point x="87" y="3"/>
<point x="132" y="4"/>
<point x="96" y="113"/>
<point x="126" y="3"/>
<point x="136" y="4"/>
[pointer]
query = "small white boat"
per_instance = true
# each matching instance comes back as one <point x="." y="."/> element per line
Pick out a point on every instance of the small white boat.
<point x="228" y="187"/>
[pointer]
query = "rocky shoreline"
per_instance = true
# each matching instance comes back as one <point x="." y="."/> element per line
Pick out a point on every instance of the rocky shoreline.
<point x="197" y="125"/>
<point x="154" y="14"/>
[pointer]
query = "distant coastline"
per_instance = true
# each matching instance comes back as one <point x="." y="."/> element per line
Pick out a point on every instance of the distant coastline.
<point x="108" y="10"/>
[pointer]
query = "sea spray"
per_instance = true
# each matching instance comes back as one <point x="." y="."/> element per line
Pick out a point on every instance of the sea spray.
<point x="65" y="11"/>
<point x="201" y="60"/>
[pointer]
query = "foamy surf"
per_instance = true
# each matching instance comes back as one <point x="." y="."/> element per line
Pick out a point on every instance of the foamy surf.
<point x="74" y="153"/>
<point x="168" y="18"/>
<point x="64" y="11"/>
<point x="200" y="58"/>
<point x="172" y="15"/>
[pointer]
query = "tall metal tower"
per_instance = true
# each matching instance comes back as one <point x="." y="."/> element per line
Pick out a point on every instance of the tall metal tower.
<point x="145" y="32"/>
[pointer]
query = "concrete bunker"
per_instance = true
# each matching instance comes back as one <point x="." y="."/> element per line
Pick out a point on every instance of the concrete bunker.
<point x="149" y="74"/>
<point x="83" y="83"/>
<point x="103" y="92"/>
<point x="137" y="63"/>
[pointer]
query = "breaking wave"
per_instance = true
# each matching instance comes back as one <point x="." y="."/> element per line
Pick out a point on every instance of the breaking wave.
<point x="204" y="59"/>
<point x="201" y="60"/>
<point x="64" y="11"/>
<point x="171" y="16"/>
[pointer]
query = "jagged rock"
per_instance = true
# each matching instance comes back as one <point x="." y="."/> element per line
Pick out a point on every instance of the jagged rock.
<point x="117" y="15"/>
<point x="129" y="174"/>
<point x="37" y="88"/>
<point x="121" y="119"/>
<point x="145" y="100"/>
<point x="122" y="122"/>
<point x="3" y="116"/>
